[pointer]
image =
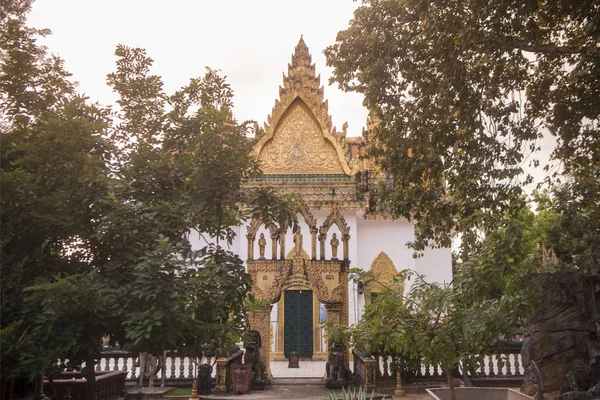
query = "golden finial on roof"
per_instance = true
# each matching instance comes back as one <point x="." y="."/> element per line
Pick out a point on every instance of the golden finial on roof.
<point x="301" y="55"/>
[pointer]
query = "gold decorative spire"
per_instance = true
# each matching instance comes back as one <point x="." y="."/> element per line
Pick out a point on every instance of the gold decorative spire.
<point x="302" y="83"/>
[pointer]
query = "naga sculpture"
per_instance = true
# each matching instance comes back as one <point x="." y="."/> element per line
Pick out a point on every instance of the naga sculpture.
<point x="337" y="376"/>
<point x="252" y="356"/>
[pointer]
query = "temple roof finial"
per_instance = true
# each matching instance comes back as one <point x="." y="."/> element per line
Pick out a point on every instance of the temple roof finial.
<point x="301" y="55"/>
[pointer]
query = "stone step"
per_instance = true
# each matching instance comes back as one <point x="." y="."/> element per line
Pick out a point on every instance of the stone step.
<point x="298" y="381"/>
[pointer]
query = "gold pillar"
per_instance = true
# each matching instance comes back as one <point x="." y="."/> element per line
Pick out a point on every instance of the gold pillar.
<point x="322" y="238"/>
<point x="399" y="393"/>
<point x="334" y="312"/>
<point x="260" y="320"/>
<point x="313" y="243"/>
<point x="274" y="237"/>
<point x="221" y="375"/>
<point x="251" y="238"/>
<point x="282" y="245"/>
<point x="345" y="240"/>
<point x="279" y="356"/>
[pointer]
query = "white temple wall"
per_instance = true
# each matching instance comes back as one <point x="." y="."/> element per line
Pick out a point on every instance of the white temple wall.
<point x="435" y="265"/>
<point x="389" y="236"/>
<point x="238" y="245"/>
<point x="375" y="236"/>
<point x="368" y="238"/>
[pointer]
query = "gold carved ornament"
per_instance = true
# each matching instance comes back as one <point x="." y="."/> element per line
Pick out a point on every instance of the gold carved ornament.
<point x="299" y="136"/>
<point x="298" y="146"/>
<point x="385" y="273"/>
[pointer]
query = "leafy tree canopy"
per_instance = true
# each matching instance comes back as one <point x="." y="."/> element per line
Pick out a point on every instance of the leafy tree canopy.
<point x="464" y="90"/>
<point x="96" y="214"/>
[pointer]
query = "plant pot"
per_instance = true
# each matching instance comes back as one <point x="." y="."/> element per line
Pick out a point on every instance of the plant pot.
<point x="476" y="393"/>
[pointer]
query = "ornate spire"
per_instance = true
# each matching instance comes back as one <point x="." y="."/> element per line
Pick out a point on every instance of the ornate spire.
<point x="302" y="82"/>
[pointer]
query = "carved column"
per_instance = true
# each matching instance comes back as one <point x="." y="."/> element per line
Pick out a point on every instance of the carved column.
<point x="260" y="320"/>
<point x="274" y="237"/>
<point x="313" y="243"/>
<point x="322" y="238"/>
<point x="345" y="241"/>
<point x="334" y="312"/>
<point x="282" y="245"/>
<point x="251" y="237"/>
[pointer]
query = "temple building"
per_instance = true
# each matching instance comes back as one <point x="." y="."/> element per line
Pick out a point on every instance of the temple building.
<point x="303" y="275"/>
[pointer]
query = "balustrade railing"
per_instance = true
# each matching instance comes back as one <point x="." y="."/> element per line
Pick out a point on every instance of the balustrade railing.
<point x="176" y="367"/>
<point x="502" y="363"/>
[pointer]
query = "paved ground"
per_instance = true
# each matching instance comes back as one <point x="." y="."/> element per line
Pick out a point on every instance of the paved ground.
<point x="304" y="383"/>
<point x="308" y="369"/>
<point x="292" y="392"/>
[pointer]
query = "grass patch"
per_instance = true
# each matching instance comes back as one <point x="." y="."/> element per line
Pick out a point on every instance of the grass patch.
<point x="179" y="392"/>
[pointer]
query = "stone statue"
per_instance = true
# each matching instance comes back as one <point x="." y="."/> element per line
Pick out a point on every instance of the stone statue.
<point x="252" y="344"/>
<point x="336" y="374"/>
<point x="534" y="372"/>
<point x="262" y="242"/>
<point x="204" y="383"/>
<point x="334" y="246"/>
<point x="298" y="242"/>
<point x="150" y="366"/>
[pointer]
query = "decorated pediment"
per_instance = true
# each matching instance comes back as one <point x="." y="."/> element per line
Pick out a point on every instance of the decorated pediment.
<point x="299" y="135"/>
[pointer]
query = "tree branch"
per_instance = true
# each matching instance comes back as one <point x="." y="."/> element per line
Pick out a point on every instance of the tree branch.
<point x="510" y="42"/>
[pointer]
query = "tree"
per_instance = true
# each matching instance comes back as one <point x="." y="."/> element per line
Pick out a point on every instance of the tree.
<point x="569" y="227"/>
<point x="54" y="171"/>
<point x="464" y="89"/>
<point x="442" y="325"/>
<point x="185" y="158"/>
<point x="96" y="216"/>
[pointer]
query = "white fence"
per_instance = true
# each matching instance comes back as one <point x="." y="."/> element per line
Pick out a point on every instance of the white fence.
<point x="176" y="367"/>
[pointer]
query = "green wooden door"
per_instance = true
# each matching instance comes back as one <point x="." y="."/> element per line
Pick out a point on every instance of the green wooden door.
<point x="298" y="323"/>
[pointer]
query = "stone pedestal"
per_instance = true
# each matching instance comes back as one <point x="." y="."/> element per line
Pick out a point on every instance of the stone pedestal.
<point x="221" y="385"/>
<point x="294" y="360"/>
<point x="241" y="378"/>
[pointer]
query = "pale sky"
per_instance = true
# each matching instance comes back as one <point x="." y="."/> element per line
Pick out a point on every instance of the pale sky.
<point x="251" y="42"/>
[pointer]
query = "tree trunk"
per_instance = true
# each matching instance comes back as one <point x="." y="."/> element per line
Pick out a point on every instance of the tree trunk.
<point x="90" y="376"/>
<point x="38" y="393"/>
<point x="447" y="369"/>
<point x="7" y="386"/>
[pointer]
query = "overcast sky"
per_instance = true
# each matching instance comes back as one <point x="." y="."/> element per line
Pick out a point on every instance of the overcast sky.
<point x="251" y="42"/>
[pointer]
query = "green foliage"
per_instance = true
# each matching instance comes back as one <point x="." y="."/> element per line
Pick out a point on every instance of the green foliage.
<point x="463" y="90"/>
<point x="54" y="171"/>
<point x="568" y="222"/>
<point x="442" y="325"/>
<point x="352" y="394"/>
<point x="502" y="261"/>
<point x="185" y="158"/>
<point x="254" y="304"/>
<point x="96" y="215"/>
